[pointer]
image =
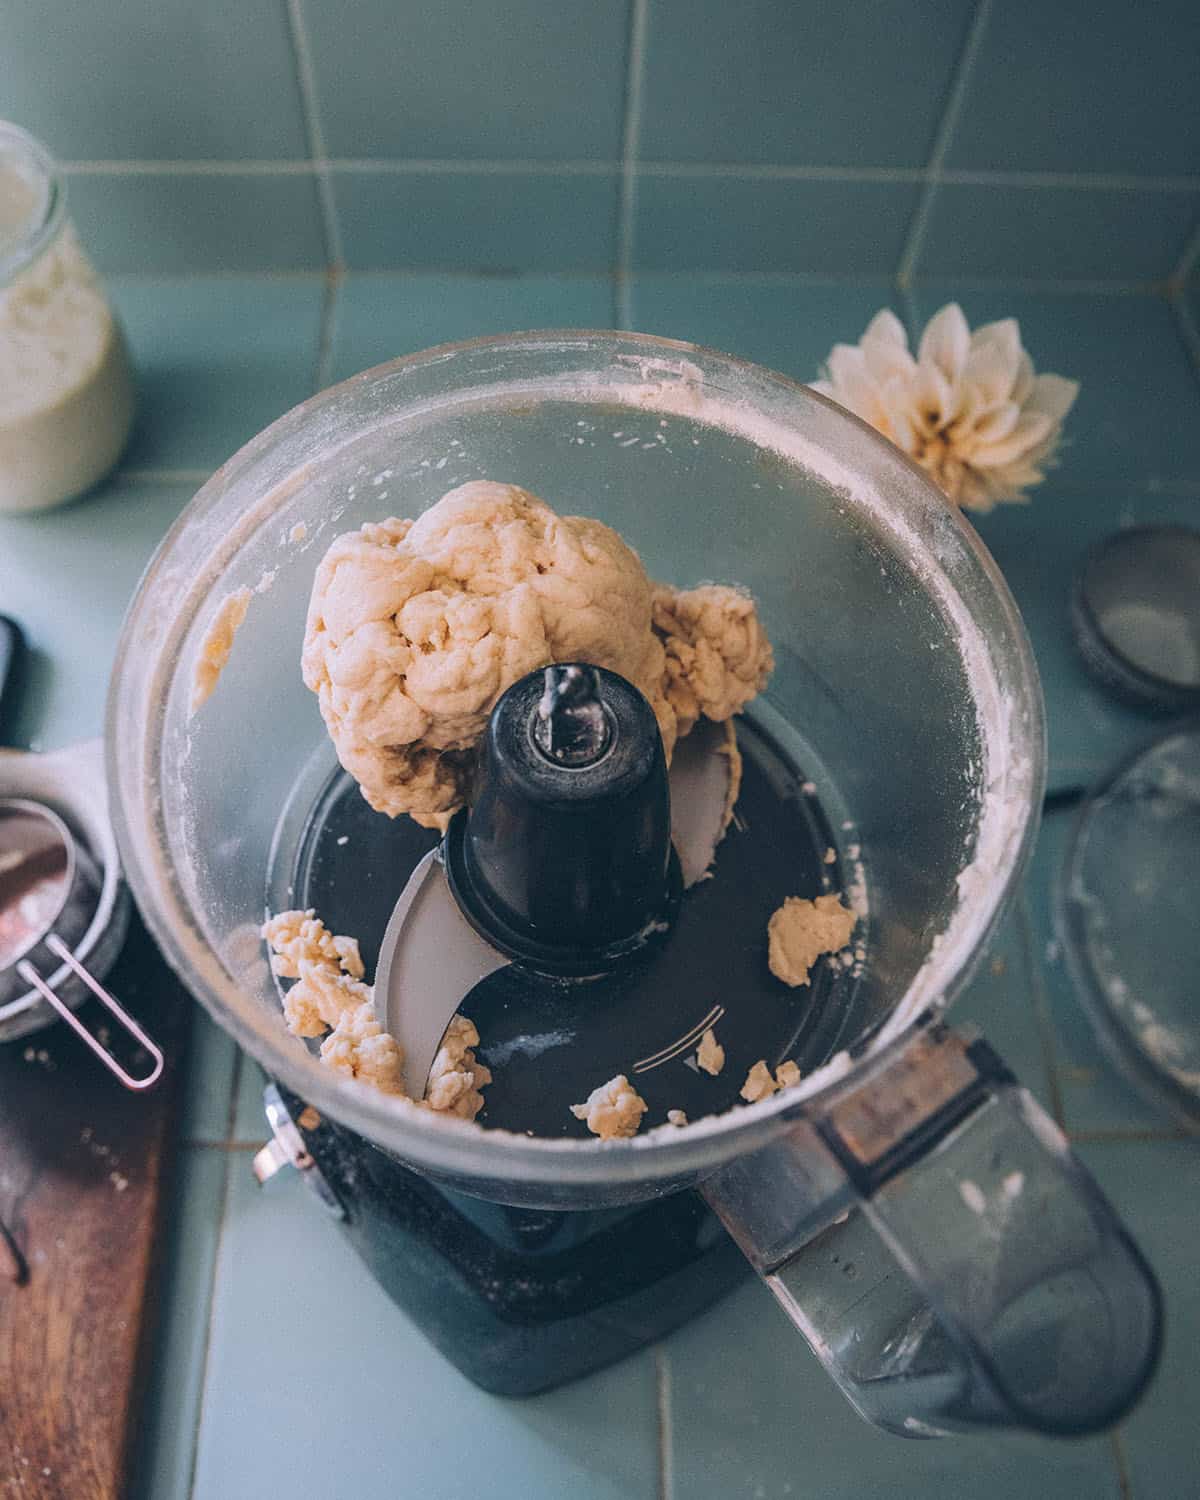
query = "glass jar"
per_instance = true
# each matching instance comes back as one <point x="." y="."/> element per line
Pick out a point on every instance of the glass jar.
<point x="66" y="389"/>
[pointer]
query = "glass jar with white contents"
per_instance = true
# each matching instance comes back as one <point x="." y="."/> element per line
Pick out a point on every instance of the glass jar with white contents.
<point x="66" y="389"/>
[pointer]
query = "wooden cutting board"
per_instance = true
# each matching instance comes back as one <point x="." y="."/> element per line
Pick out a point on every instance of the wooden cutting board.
<point x="83" y="1171"/>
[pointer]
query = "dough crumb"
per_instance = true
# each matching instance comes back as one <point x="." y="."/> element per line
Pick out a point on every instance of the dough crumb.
<point x="320" y="999"/>
<point x="298" y="532"/>
<point x="330" y="996"/>
<point x="216" y="646"/>
<point x="359" y="1047"/>
<point x="613" y="1110"/>
<point x="456" y="1078"/>
<point x="801" y="931"/>
<point x="676" y="1117"/>
<point x="787" y="1074"/>
<point x="711" y="1055"/>
<point x="759" y="1084"/>
<point x="717" y="653"/>
<point x="300" y="936"/>
<point x="831" y="856"/>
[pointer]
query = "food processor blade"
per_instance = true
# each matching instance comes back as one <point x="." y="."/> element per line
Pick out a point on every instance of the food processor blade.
<point x="431" y="957"/>
<point x="702" y="773"/>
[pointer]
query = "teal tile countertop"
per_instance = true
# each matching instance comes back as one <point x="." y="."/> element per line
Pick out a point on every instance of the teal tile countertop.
<point x="280" y="1367"/>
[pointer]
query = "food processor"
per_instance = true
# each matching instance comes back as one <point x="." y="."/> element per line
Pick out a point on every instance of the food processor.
<point x="919" y="1218"/>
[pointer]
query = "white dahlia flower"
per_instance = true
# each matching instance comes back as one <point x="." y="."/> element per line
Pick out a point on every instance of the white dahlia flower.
<point x="968" y="408"/>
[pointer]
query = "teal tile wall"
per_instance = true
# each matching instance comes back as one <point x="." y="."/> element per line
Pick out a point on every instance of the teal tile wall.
<point x="384" y="316"/>
<point x="494" y="220"/>
<point x="153" y="79"/>
<point x="991" y="138"/>
<point x="528" y="78"/>
<point x="1080" y="233"/>
<point x="179" y="220"/>
<point x="724" y="223"/>
<point x="838" y="85"/>
<point x="218" y="358"/>
<point x="1086" y="86"/>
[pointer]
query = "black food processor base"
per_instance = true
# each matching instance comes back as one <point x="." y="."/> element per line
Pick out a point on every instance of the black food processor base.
<point x="522" y="1300"/>
<point x="519" y="1299"/>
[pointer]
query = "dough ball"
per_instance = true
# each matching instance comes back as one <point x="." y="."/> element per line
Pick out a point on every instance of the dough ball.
<point x="415" y="629"/>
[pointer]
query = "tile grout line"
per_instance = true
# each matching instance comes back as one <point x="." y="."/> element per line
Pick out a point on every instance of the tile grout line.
<point x="327" y="329"/>
<point x="480" y="166"/>
<point x="1188" y="260"/>
<point x="1057" y="286"/>
<point x="163" y="476"/>
<point x="911" y="313"/>
<point x="198" y="1416"/>
<point x="1033" y="977"/>
<point x="179" y="167"/>
<point x="1112" y="182"/>
<point x="664" y="1423"/>
<point x="1186" y="325"/>
<point x="234" y="1089"/>
<point x="1067" y="286"/>
<point x="602" y="166"/>
<point x="306" y="80"/>
<point x="779" y="171"/>
<point x="630" y="140"/>
<point x="1119" y="1136"/>
<point x="292" y="276"/>
<point x="1121" y="1463"/>
<point x="947" y="125"/>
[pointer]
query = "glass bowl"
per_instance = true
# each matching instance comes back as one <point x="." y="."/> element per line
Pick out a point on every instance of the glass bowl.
<point x="902" y="671"/>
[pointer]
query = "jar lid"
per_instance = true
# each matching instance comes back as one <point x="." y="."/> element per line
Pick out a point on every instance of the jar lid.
<point x="1136" y="616"/>
<point x="31" y="199"/>
<point x="1127" y="918"/>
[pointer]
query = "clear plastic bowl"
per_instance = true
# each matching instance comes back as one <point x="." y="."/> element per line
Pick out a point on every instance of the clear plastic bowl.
<point x="1126" y="909"/>
<point x="903" y="673"/>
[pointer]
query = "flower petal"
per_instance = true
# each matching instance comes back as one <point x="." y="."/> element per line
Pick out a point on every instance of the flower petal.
<point x="992" y="368"/>
<point x="1024" y="381"/>
<point x="1053" y="395"/>
<point x="973" y="494"/>
<point x="885" y="328"/>
<point x="946" y="341"/>
<point x="898" y="405"/>
<point x="1005" y="334"/>
<point x="997" y="424"/>
<point x="933" y="399"/>
<point x="1033" y="428"/>
<point x="885" y="345"/>
<point x="854" y="386"/>
<point x="846" y="362"/>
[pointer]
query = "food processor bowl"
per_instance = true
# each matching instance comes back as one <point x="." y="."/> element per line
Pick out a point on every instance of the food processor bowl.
<point x="903" y="687"/>
<point x="900" y="661"/>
